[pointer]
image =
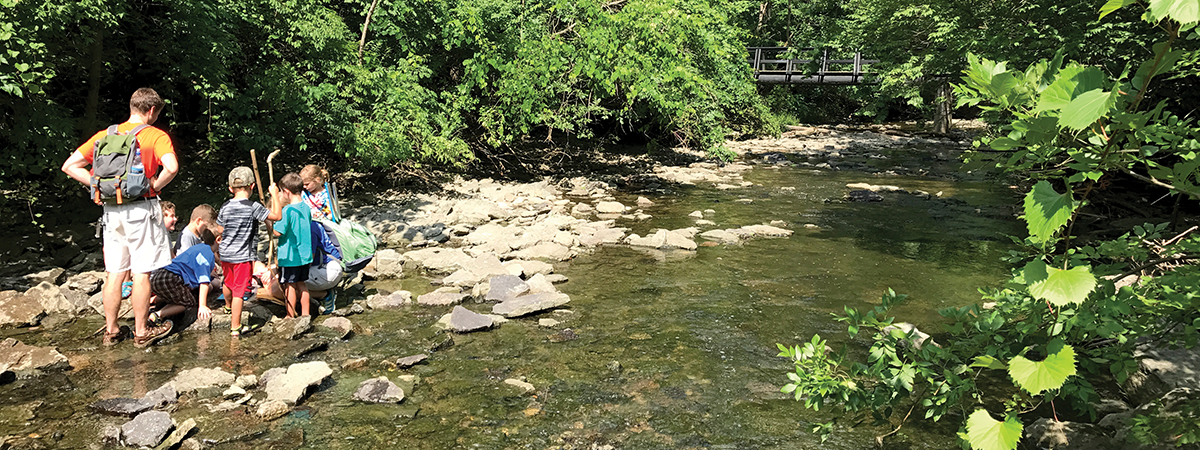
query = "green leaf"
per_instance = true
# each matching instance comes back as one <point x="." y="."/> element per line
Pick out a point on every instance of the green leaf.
<point x="1182" y="11"/>
<point x="1003" y="143"/>
<point x="1063" y="287"/>
<point x="1050" y="373"/>
<point x="1085" y="109"/>
<point x="1046" y="211"/>
<point x="1114" y="5"/>
<point x="988" y="362"/>
<point x="986" y="433"/>
<point x="1069" y="83"/>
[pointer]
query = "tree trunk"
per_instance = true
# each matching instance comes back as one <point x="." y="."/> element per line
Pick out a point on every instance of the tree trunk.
<point x="943" y="108"/>
<point x="91" y="107"/>
<point x="362" y="41"/>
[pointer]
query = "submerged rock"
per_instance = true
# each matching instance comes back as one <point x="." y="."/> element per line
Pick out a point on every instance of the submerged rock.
<point x="200" y="378"/>
<point x="120" y="406"/>
<point x="293" y="327"/>
<point x="379" y="390"/>
<point x="391" y="301"/>
<point x="863" y="195"/>
<point x="340" y="324"/>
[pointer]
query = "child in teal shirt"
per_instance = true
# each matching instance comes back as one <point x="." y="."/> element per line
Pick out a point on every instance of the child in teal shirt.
<point x="295" y="244"/>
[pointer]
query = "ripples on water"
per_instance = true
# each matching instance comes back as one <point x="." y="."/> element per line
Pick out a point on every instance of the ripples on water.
<point x="674" y="350"/>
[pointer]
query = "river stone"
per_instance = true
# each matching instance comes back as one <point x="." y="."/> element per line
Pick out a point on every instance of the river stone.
<point x="874" y="187"/>
<point x="436" y="298"/>
<point x="463" y="277"/>
<point x="762" y="231"/>
<point x="657" y="240"/>
<point x="556" y="278"/>
<point x="723" y="236"/>
<point x="644" y="202"/>
<point x="179" y="434"/>
<point x="528" y="304"/>
<point x="391" y="301"/>
<point x="582" y="209"/>
<point x="463" y="320"/>
<point x="120" y="406"/>
<point x="409" y="361"/>
<point x="340" y="324"/>
<point x="87" y="282"/>
<point x="28" y="361"/>
<point x="51" y="298"/>
<point x="379" y="390"/>
<point x="524" y="386"/>
<point x="680" y="239"/>
<point x="505" y="287"/>
<point x="1062" y="435"/>
<point x="438" y="260"/>
<point x="531" y="268"/>
<point x="601" y="236"/>
<point x="485" y="265"/>
<point x="1161" y="371"/>
<point x="147" y="429"/>
<point x="273" y="409"/>
<point x="863" y="195"/>
<point x="351" y="310"/>
<point x="293" y="327"/>
<point x="545" y="250"/>
<point x="291" y="386"/>
<point x="491" y="232"/>
<point x="52" y="276"/>
<point x="547" y="323"/>
<point x="388" y="264"/>
<point x="538" y="284"/>
<point x="19" y="310"/>
<point x="913" y="336"/>
<point x="610" y="208"/>
<point x="162" y="396"/>
<point x="200" y="378"/>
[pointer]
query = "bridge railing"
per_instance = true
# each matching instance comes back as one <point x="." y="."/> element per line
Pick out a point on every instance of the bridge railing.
<point x="770" y="68"/>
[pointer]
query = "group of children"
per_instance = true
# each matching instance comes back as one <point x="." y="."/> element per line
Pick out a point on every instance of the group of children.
<point x="229" y="236"/>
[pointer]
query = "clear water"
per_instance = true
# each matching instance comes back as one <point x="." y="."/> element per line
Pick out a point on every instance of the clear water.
<point x="673" y="350"/>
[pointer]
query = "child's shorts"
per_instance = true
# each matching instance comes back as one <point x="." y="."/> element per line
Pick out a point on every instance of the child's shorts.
<point x="170" y="289"/>
<point x="297" y="274"/>
<point x="237" y="277"/>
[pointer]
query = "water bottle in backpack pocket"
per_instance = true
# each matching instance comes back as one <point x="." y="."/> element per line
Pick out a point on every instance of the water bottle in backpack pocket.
<point x="117" y="169"/>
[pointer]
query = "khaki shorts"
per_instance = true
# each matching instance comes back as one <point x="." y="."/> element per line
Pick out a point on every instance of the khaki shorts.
<point x="135" y="238"/>
<point x="324" y="278"/>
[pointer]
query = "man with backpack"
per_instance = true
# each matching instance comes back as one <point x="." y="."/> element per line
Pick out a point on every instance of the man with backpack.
<point x="125" y="178"/>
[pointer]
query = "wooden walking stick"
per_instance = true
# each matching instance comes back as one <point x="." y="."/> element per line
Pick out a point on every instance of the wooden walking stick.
<point x="270" y="233"/>
<point x="257" y="180"/>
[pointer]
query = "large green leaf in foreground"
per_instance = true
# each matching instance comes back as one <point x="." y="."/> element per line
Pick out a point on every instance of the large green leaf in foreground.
<point x="1046" y="211"/>
<point x="1050" y="373"/>
<point x="986" y="433"/>
<point x="1057" y="286"/>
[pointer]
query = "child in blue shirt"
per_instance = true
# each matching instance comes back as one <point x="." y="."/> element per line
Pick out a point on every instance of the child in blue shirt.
<point x="295" y="244"/>
<point x="182" y="284"/>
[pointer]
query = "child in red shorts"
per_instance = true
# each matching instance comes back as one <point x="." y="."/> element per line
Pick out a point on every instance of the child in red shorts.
<point x="240" y="217"/>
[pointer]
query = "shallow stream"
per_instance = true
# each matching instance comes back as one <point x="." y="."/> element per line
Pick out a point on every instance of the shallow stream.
<point x="665" y="349"/>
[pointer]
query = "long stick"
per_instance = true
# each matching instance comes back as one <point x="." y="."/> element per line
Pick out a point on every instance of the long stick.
<point x="270" y="233"/>
<point x="257" y="180"/>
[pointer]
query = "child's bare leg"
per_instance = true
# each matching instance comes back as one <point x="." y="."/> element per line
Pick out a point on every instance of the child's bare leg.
<point x="290" y="302"/>
<point x="305" y="299"/>
<point x="235" y="321"/>
<point x="228" y="293"/>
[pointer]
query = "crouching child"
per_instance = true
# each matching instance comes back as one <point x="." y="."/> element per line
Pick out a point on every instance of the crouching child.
<point x="183" y="284"/>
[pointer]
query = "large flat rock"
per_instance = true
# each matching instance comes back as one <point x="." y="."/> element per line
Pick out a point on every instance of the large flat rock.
<point x="292" y="385"/>
<point x="463" y="320"/>
<point x="27" y="360"/>
<point x="529" y="304"/>
<point x="19" y="310"/>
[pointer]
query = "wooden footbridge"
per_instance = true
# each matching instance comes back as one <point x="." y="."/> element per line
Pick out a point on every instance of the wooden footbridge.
<point x="770" y="68"/>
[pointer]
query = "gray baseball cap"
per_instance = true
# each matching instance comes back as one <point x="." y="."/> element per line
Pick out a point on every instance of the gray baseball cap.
<point x="241" y="176"/>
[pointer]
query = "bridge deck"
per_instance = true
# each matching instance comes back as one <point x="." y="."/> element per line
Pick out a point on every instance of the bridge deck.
<point x="769" y="69"/>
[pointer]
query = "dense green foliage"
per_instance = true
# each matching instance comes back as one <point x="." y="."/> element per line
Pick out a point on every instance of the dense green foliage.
<point x="1069" y="318"/>
<point x="375" y="81"/>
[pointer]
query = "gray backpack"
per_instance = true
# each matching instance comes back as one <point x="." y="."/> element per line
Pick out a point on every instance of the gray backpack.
<point x="117" y="169"/>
